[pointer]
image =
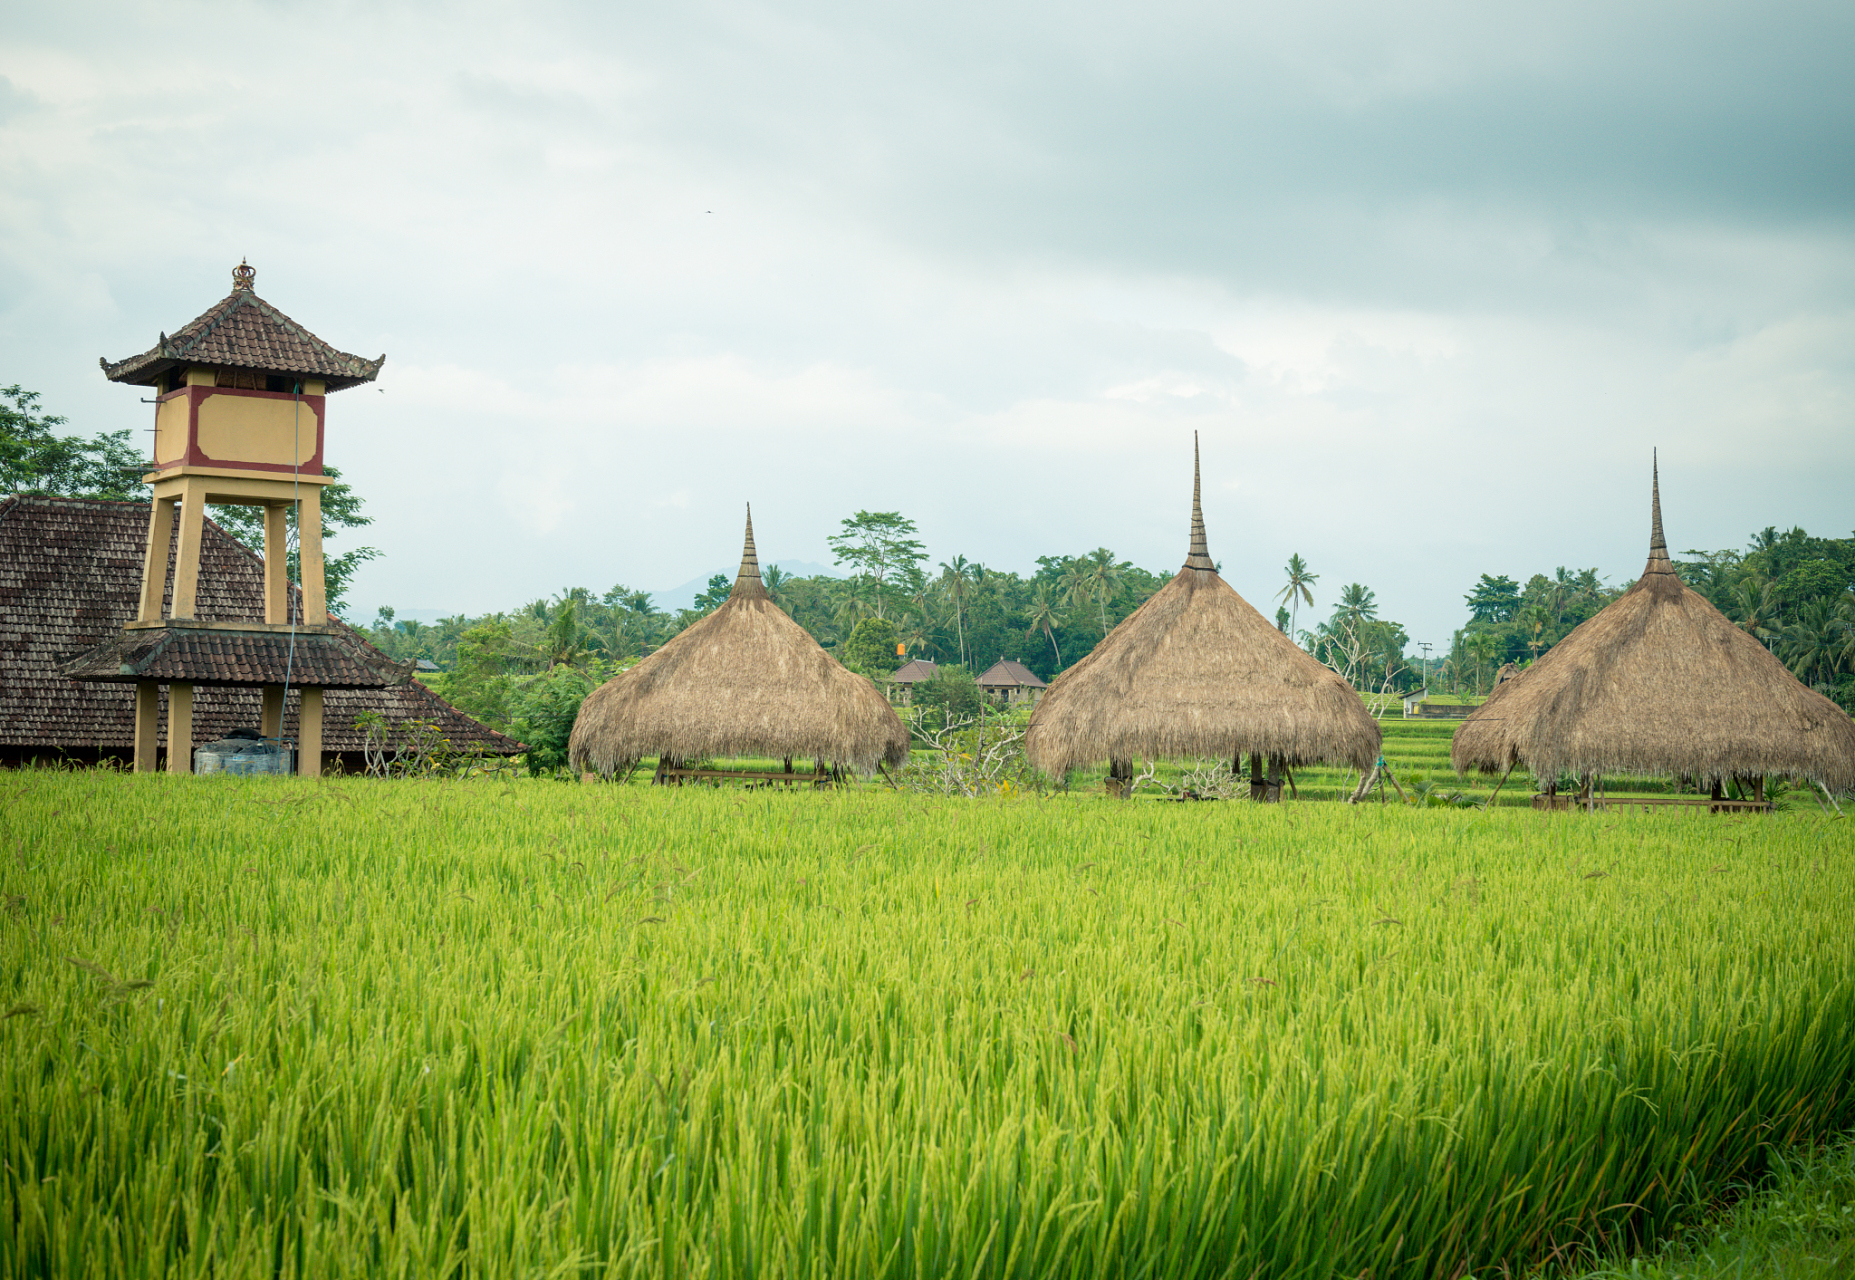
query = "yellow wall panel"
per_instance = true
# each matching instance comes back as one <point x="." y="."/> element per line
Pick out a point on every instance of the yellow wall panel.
<point x="257" y="429"/>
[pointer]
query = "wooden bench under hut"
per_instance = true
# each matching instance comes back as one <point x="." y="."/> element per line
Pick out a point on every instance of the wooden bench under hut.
<point x="745" y="681"/>
<point x="1197" y="673"/>
<point x="1659" y="683"/>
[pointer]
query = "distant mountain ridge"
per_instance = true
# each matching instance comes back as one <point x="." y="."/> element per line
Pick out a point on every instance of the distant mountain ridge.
<point x="684" y="595"/>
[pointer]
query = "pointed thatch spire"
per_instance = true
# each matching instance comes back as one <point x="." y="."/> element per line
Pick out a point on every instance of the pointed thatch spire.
<point x="1200" y="555"/>
<point x="747" y="581"/>
<point x="1659" y="682"/>
<point x="1658" y="545"/>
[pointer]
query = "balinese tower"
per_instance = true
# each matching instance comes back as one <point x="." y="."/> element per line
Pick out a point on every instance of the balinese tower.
<point x="240" y="411"/>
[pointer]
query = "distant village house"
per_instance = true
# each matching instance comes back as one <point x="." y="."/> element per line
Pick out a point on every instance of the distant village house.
<point x="1008" y="682"/>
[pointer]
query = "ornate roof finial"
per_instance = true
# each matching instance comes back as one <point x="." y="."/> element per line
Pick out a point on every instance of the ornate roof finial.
<point x="1199" y="556"/>
<point x="244" y="275"/>
<point x="749" y="576"/>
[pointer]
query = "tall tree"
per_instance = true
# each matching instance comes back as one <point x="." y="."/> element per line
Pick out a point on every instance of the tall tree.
<point x="1753" y="604"/>
<point x="1484" y="648"/>
<point x="1104" y="576"/>
<point x="880" y="545"/>
<point x="1043" y="617"/>
<point x="1077" y="585"/>
<point x="1299" y="590"/>
<point x="34" y="458"/>
<point x="774" y="579"/>
<point x="1533" y="619"/>
<point x="1494" y="599"/>
<point x="957" y="573"/>
<point x="1358" y="603"/>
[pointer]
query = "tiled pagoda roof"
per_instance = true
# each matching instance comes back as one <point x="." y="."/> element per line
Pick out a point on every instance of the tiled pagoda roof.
<point x="243" y="331"/>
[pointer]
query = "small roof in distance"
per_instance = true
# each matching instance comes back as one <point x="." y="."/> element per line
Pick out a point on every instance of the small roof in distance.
<point x="242" y="331"/>
<point x="915" y="671"/>
<point x="1008" y="673"/>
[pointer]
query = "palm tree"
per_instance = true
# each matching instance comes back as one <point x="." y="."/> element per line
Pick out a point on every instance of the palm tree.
<point x="774" y="579"/>
<point x="1564" y="586"/>
<point x="851" y="609"/>
<point x="1077" y="590"/>
<point x="1482" y="646"/>
<point x="1104" y="575"/>
<point x="1845" y="627"/>
<point x="1297" y="591"/>
<point x="1754" y="606"/>
<point x="956" y="573"/>
<point x="1358" y="603"/>
<point x="1533" y="619"/>
<point x="563" y="643"/>
<point x="1810" y="643"/>
<point x="1043" y="617"/>
<point x="1452" y="668"/>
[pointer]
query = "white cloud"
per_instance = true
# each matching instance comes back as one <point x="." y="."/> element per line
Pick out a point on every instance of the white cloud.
<point x="1429" y="282"/>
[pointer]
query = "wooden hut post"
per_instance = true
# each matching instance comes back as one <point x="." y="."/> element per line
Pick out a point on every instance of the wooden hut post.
<point x="1120" y="783"/>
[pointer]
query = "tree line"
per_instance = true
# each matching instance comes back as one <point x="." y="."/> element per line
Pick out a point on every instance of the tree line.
<point x="525" y="670"/>
<point x="1791" y="591"/>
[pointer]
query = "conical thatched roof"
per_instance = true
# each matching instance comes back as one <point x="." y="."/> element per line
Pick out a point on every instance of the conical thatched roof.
<point x="1660" y="682"/>
<point x="746" y="680"/>
<point x="1195" y="672"/>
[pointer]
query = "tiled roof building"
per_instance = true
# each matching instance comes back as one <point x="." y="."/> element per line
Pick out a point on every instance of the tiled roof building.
<point x="1010" y="681"/>
<point x="70" y="578"/>
<point x="902" y="683"/>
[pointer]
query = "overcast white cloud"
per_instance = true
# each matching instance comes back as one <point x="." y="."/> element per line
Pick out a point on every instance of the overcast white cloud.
<point x="1430" y="280"/>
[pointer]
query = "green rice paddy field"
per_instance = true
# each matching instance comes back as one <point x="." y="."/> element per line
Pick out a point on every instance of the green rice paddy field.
<point x="264" y="1027"/>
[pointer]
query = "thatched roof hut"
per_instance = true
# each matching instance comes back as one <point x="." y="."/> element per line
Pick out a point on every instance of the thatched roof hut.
<point x="746" y="680"/>
<point x="1195" y="672"/>
<point x="1660" y="682"/>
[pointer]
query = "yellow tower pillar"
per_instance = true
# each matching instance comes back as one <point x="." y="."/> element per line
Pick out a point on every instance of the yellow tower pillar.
<point x="309" y="734"/>
<point x="276" y="563"/>
<point x="180" y="728"/>
<point x="154" y="559"/>
<point x="309" y="557"/>
<point x="147" y="725"/>
<point x="187" y="557"/>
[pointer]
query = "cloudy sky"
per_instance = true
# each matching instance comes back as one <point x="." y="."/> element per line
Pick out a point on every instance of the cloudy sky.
<point x="1430" y="280"/>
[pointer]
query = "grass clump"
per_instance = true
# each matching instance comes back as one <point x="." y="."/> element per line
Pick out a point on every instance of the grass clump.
<point x="1798" y="1225"/>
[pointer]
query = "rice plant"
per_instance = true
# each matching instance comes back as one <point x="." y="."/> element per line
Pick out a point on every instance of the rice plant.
<point x="426" y="1028"/>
